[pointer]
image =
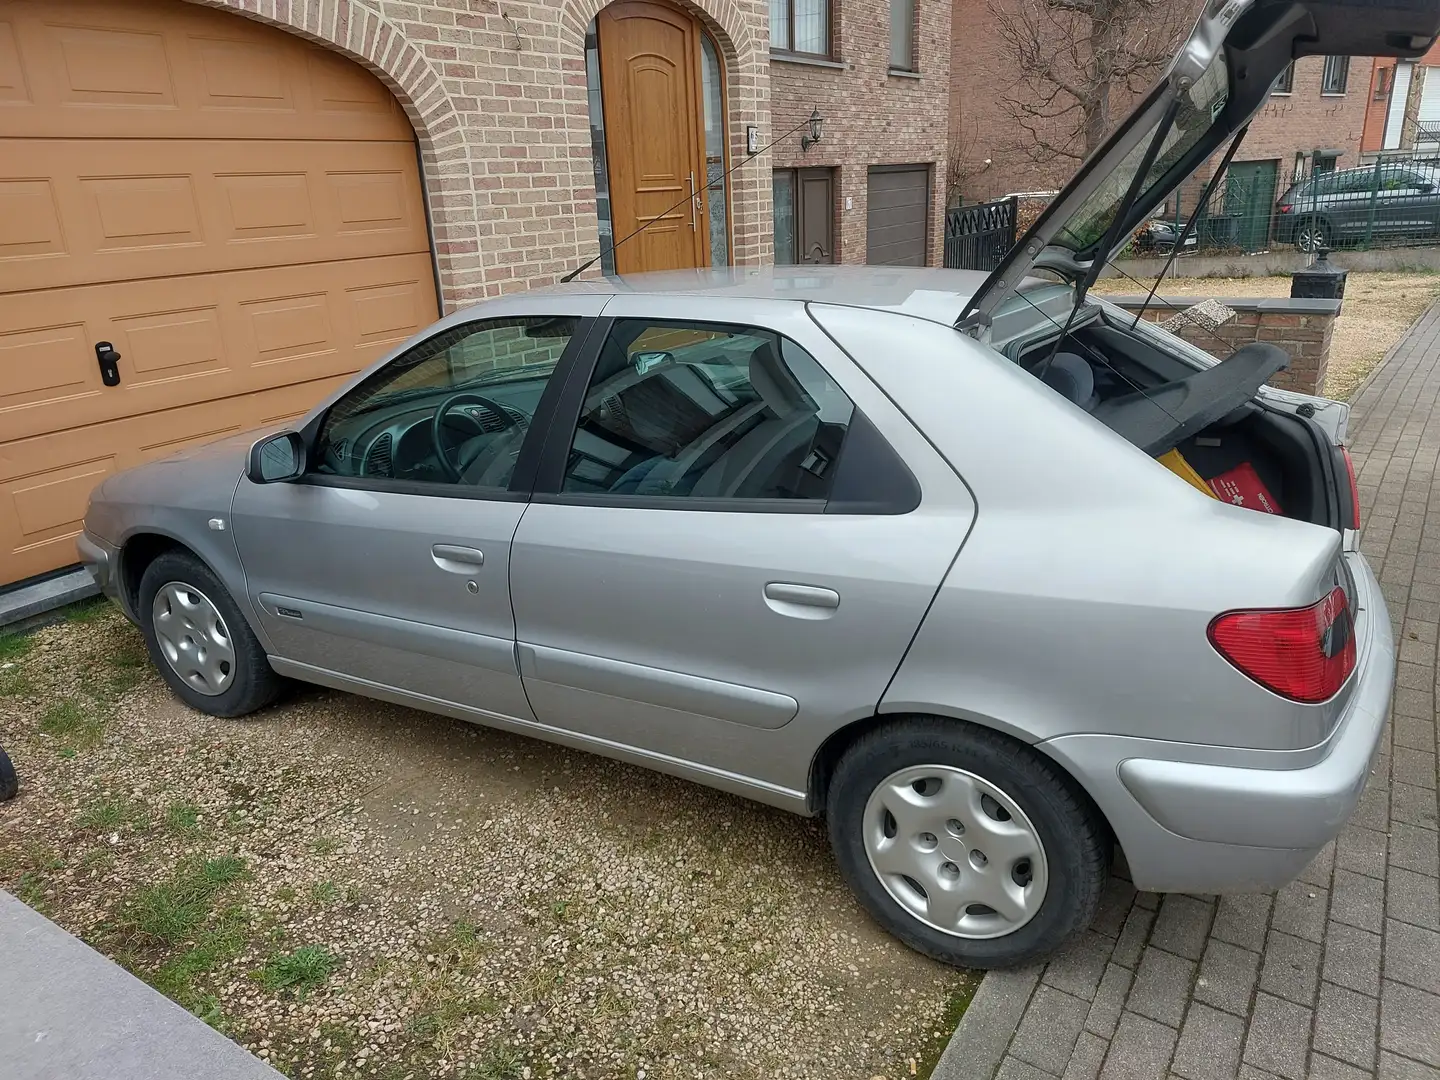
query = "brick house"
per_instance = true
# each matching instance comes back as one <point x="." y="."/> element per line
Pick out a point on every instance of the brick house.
<point x="1318" y="105"/>
<point x="1403" y="113"/>
<point x="211" y="211"/>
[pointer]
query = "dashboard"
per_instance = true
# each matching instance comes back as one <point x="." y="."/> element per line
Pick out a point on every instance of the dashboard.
<point x="394" y="441"/>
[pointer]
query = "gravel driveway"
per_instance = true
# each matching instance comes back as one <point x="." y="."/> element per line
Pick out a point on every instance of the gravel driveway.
<point x="355" y="889"/>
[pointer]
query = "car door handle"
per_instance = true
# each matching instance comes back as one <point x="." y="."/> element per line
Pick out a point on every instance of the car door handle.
<point x="801" y="601"/>
<point x="456" y="559"/>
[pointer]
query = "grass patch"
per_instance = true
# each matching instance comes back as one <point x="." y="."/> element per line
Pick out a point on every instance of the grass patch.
<point x="109" y="813"/>
<point x="324" y="892"/>
<point x="955" y="1006"/>
<point x="13" y="647"/>
<point x="218" y="942"/>
<point x="74" y="726"/>
<point x="126" y="667"/>
<point x="324" y="845"/>
<point x="499" y="1063"/>
<point x="14" y="682"/>
<point x="285" y="894"/>
<point x="169" y="911"/>
<point x="88" y="611"/>
<point x="300" y="971"/>
<point x="182" y="818"/>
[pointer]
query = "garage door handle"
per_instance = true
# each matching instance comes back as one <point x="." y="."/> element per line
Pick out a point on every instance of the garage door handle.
<point x="109" y="363"/>
<point x="456" y="559"/>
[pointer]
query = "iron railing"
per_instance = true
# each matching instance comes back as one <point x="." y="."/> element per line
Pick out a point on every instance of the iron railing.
<point x="977" y="237"/>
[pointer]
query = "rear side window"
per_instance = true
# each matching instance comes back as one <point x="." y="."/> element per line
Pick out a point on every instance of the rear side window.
<point x="707" y="411"/>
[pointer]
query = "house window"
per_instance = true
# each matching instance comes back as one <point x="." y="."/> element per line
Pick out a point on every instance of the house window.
<point x="1336" y="76"/>
<point x="902" y="35"/>
<point x="1382" y="83"/>
<point x="1286" y="82"/>
<point x="597" y="151"/>
<point x="800" y="26"/>
<point x="804" y="216"/>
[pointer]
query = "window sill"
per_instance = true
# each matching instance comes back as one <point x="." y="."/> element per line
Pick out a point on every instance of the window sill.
<point x="1333" y="93"/>
<point x="807" y="61"/>
<point x="1281" y="93"/>
<point x="901" y="73"/>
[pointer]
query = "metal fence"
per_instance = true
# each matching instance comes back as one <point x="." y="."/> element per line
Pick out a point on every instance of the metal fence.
<point x="1391" y="201"/>
<point x="977" y="237"/>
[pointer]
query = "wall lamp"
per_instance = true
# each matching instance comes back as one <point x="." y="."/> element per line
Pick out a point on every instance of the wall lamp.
<point x="816" y="128"/>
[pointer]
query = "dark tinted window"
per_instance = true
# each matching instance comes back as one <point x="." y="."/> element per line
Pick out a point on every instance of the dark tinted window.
<point x="487" y="377"/>
<point x="695" y="410"/>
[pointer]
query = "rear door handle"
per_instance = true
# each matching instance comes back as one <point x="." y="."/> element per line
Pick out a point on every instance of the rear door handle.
<point x="801" y="601"/>
<point x="456" y="559"/>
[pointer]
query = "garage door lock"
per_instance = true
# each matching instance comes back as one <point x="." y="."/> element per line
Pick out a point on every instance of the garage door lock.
<point x="109" y="363"/>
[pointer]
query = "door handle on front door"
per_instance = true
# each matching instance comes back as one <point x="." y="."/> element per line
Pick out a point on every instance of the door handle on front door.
<point x="801" y="601"/>
<point x="455" y="559"/>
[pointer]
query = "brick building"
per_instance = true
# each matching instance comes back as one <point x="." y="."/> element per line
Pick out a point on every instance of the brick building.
<point x="1403" y="113"/>
<point x="213" y="210"/>
<point x="1318" y="105"/>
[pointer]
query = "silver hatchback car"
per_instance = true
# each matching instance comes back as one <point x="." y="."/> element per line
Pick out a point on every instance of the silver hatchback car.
<point x="993" y="576"/>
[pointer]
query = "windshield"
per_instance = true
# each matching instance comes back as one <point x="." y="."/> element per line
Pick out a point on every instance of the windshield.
<point x="1199" y="108"/>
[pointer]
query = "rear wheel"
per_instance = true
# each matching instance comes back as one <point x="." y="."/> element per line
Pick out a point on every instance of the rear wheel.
<point x="200" y="641"/>
<point x="1314" y="233"/>
<point x="966" y="845"/>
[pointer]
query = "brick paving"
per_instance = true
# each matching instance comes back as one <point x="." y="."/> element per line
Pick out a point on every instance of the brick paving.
<point x="1337" y="976"/>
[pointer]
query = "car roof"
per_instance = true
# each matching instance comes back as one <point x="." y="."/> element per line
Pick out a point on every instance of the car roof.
<point x="925" y="292"/>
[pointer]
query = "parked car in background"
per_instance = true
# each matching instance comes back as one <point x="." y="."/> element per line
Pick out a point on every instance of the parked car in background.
<point x="995" y="577"/>
<point x="1157" y="238"/>
<point x="1388" y="202"/>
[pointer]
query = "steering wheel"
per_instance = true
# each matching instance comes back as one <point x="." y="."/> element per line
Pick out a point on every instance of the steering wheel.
<point x="454" y="471"/>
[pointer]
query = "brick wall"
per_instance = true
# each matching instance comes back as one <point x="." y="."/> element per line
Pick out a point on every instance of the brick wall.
<point x="1303" y="328"/>
<point x="496" y="94"/>
<point x="872" y="117"/>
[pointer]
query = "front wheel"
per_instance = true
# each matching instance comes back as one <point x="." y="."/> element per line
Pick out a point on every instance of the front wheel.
<point x="200" y="641"/>
<point x="966" y="845"/>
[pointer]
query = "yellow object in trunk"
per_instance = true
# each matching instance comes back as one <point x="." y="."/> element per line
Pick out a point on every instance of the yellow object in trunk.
<point x="1173" y="461"/>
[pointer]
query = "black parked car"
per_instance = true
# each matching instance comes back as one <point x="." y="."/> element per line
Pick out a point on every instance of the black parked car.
<point x="9" y="784"/>
<point x="1397" y="201"/>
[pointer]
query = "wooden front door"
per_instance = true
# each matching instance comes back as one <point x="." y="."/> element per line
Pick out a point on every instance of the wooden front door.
<point x="650" y="86"/>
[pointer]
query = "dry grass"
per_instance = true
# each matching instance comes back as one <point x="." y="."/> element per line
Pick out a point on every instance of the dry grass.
<point x="1378" y="309"/>
<point x="351" y="888"/>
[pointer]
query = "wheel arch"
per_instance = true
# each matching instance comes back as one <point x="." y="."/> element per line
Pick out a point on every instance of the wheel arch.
<point x="829" y="753"/>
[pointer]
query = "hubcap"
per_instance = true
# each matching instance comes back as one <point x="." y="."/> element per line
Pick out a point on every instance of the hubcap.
<point x="193" y="637"/>
<point x="955" y="851"/>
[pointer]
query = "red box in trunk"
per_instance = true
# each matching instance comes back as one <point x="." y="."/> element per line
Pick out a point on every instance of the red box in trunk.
<point x="1242" y="486"/>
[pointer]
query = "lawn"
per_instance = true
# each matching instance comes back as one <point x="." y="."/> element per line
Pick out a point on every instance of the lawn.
<point x="354" y="889"/>
<point x="1378" y="308"/>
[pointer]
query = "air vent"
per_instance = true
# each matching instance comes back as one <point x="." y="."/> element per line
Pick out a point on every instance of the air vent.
<point x="377" y="461"/>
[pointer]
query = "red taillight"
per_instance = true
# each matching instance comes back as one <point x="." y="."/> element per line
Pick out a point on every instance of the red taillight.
<point x="1304" y="654"/>
<point x="1354" y="488"/>
<point x="1285" y="208"/>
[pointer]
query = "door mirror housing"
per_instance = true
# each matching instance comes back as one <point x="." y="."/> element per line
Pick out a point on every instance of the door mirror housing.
<point x="277" y="458"/>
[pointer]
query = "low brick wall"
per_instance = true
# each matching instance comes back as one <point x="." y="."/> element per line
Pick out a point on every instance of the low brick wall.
<point x="1302" y="328"/>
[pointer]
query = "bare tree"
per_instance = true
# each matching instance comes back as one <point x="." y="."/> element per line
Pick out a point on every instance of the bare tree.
<point x="1078" y="64"/>
<point x="962" y="166"/>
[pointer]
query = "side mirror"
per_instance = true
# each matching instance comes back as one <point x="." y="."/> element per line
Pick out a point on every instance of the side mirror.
<point x="1425" y="187"/>
<point x="277" y="458"/>
<point x="646" y="361"/>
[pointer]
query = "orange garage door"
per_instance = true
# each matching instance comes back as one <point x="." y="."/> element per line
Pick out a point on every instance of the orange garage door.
<point x="236" y="211"/>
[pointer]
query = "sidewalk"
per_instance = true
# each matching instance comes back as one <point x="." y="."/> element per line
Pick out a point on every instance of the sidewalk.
<point x="67" y="1013"/>
<point x="1336" y="977"/>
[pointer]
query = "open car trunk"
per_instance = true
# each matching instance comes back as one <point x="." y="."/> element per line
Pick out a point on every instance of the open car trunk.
<point x="1236" y="445"/>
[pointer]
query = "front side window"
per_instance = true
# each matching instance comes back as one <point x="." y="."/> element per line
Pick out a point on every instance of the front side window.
<point x="1336" y="75"/>
<point x="453" y="410"/>
<point x="707" y="411"/>
<point x="800" y="26"/>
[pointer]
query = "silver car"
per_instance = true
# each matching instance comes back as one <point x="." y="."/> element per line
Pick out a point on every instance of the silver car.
<point x="999" y="580"/>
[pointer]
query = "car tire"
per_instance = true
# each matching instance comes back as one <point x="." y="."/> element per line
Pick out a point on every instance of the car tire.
<point x="987" y="771"/>
<point x="9" y="782"/>
<point x="193" y="604"/>
<point x="1313" y="233"/>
